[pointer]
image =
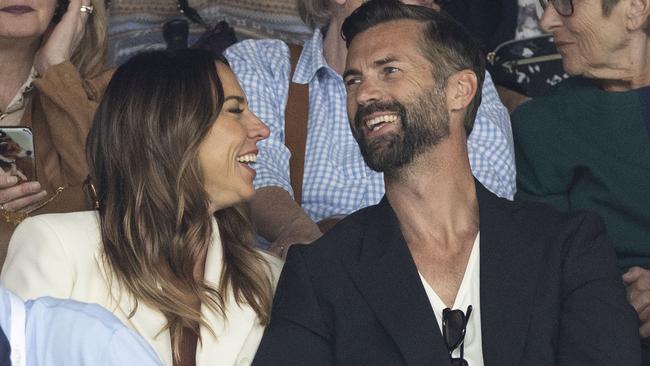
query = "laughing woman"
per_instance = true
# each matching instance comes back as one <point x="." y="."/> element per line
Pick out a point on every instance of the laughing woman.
<point x="168" y="250"/>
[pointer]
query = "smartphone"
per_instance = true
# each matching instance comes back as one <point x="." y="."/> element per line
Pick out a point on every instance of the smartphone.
<point x="61" y="8"/>
<point x="17" y="152"/>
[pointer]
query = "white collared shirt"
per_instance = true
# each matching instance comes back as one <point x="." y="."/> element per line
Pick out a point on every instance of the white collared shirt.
<point x="468" y="294"/>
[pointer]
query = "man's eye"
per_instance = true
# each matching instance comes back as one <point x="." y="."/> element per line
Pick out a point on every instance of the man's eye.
<point x="352" y="81"/>
<point x="236" y="110"/>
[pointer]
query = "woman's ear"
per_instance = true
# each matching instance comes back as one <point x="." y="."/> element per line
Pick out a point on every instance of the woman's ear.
<point x="637" y="14"/>
<point x="461" y="89"/>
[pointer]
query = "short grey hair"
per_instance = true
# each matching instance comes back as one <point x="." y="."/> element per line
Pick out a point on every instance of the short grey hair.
<point x="608" y="6"/>
<point x="315" y="13"/>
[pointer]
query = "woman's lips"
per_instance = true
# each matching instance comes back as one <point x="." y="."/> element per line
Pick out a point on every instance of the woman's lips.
<point x="17" y="9"/>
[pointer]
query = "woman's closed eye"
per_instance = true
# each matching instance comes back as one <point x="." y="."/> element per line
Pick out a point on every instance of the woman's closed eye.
<point x="235" y="104"/>
<point x="236" y="110"/>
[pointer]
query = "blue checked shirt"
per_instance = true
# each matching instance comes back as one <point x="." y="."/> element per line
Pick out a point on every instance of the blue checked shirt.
<point x="336" y="179"/>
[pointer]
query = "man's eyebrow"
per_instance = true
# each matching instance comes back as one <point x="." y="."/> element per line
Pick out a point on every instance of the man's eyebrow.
<point x="383" y="61"/>
<point x="350" y="72"/>
<point x="386" y="60"/>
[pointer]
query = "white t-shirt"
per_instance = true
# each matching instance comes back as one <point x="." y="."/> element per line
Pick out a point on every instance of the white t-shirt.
<point x="468" y="294"/>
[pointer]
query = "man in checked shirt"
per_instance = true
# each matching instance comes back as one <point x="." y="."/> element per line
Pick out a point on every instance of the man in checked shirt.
<point x="336" y="180"/>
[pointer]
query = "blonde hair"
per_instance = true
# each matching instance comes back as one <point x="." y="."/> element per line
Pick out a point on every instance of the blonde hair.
<point x="90" y="55"/>
<point x="315" y="13"/>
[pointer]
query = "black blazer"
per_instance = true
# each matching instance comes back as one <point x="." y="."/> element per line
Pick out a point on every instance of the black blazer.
<point x="551" y="294"/>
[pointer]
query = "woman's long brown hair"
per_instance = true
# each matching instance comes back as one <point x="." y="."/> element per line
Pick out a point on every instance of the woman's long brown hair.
<point x="155" y="222"/>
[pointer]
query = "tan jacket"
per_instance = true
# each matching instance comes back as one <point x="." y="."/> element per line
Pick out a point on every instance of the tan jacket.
<point x="60" y="114"/>
<point x="61" y="255"/>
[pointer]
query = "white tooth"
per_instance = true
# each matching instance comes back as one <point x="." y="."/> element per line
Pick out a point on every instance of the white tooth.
<point x="377" y="120"/>
<point x="248" y="158"/>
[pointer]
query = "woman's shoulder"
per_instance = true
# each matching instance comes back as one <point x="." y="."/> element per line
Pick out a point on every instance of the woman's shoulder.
<point x="62" y="221"/>
<point x="555" y="109"/>
<point x="49" y="253"/>
<point x="72" y="229"/>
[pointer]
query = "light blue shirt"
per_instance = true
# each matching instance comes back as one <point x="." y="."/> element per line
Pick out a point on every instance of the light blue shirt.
<point x="66" y="332"/>
<point x="336" y="180"/>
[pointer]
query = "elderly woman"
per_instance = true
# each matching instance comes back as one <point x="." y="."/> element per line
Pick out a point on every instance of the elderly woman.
<point x="51" y="58"/>
<point x="587" y="145"/>
<point x="171" y="153"/>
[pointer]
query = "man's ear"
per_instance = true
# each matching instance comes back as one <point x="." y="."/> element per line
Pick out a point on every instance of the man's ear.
<point x="461" y="88"/>
<point x="637" y="13"/>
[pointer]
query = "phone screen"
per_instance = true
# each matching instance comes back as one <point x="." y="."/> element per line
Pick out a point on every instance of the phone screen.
<point x="17" y="152"/>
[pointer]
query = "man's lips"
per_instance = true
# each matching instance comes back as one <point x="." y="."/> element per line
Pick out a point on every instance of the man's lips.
<point x="17" y="9"/>
<point x="376" y="124"/>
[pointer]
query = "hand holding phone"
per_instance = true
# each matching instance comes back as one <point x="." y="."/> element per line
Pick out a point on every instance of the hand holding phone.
<point x="17" y="153"/>
<point x="19" y="189"/>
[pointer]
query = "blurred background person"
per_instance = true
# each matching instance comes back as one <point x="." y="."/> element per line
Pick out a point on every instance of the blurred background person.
<point x="336" y="180"/>
<point x="51" y="62"/>
<point x="587" y="145"/>
<point x="170" y="152"/>
<point x="49" y="331"/>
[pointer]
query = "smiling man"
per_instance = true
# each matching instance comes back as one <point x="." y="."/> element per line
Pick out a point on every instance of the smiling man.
<point x="334" y="180"/>
<point x="441" y="271"/>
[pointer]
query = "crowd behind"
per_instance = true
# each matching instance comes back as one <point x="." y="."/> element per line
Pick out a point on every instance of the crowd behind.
<point x="170" y="192"/>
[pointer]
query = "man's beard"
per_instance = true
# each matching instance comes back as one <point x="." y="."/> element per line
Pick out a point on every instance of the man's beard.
<point x="424" y="123"/>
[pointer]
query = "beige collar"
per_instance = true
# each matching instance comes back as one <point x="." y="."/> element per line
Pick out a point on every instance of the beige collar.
<point x="19" y="101"/>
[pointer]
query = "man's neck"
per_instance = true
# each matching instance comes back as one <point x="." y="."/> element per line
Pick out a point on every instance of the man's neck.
<point x="436" y="205"/>
<point x="435" y="201"/>
<point x="16" y="61"/>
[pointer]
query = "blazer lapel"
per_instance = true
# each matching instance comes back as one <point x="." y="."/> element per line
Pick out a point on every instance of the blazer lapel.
<point x="146" y="321"/>
<point x="224" y="346"/>
<point x="509" y="267"/>
<point x="229" y="336"/>
<point x="388" y="279"/>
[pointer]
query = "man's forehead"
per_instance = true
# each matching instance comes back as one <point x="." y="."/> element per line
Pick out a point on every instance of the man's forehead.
<point x="389" y="34"/>
<point x="394" y="40"/>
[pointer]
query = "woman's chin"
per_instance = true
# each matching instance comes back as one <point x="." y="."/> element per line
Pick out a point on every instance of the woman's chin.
<point x="248" y="194"/>
<point x="234" y="198"/>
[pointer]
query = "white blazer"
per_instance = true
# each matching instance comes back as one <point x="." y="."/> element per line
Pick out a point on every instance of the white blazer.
<point x="60" y="255"/>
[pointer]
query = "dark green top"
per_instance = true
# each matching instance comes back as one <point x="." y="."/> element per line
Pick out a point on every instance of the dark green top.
<point x="584" y="148"/>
